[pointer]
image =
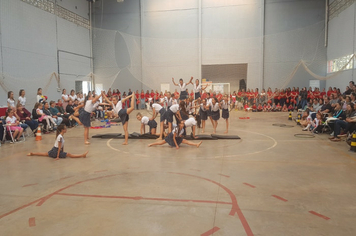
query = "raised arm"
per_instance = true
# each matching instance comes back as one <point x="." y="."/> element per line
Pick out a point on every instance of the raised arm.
<point x="97" y="98"/>
<point x="190" y="81"/>
<point x="174" y="82"/>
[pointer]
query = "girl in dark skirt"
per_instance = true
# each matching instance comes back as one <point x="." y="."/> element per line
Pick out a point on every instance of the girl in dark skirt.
<point x="215" y="113"/>
<point x="183" y="86"/>
<point x="172" y="111"/>
<point x="198" y="89"/>
<point x="58" y="149"/>
<point x="225" y="111"/>
<point x="84" y="115"/>
<point x="152" y="124"/>
<point x="122" y="113"/>
<point x="157" y="108"/>
<point x="174" y="139"/>
<point x="203" y="113"/>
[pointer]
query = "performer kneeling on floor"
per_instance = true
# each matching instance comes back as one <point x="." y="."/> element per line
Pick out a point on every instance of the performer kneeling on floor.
<point x="147" y="121"/>
<point x="174" y="139"/>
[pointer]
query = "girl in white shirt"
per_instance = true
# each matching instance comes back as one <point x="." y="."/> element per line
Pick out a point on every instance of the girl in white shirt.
<point x="157" y="108"/>
<point x="72" y="95"/>
<point x="172" y="111"/>
<point x="174" y="139"/>
<point x="58" y="149"/>
<point x="13" y="124"/>
<point x="152" y="124"/>
<point x="122" y="113"/>
<point x="65" y="99"/>
<point x="10" y="99"/>
<point x="40" y="97"/>
<point x="215" y="113"/>
<point x="183" y="86"/>
<point x="84" y="115"/>
<point x="22" y="98"/>
<point x="197" y="89"/>
<point x="225" y="111"/>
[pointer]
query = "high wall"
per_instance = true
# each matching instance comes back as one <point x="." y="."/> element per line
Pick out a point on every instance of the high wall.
<point x="341" y="42"/>
<point x="29" y="40"/>
<point x="166" y="39"/>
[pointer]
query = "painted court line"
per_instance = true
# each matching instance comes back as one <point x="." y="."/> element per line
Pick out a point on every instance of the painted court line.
<point x="143" y="198"/>
<point x="32" y="222"/>
<point x="280" y="198"/>
<point x="320" y="215"/>
<point x="66" y="177"/>
<point x="195" y="169"/>
<point x="27" y="185"/>
<point x="210" y="232"/>
<point x="250" y="185"/>
<point x="224" y="175"/>
<point x="100" y="171"/>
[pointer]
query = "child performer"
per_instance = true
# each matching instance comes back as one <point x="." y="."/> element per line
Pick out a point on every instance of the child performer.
<point x="183" y="86"/>
<point x="157" y="108"/>
<point x="146" y="121"/>
<point x="215" y="113"/>
<point x="225" y="111"/>
<point x="197" y="88"/>
<point x="84" y="116"/>
<point x="58" y="150"/>
<point x="173" y="110"/>
<point x="174" y="139"/>
<point x="191" y="122"/>
<point x="123" y="113"/>
<point x="203" y="113"/>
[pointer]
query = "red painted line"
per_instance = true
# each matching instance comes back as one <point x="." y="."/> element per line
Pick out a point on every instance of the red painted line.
<point x="195" y="169"/>
<point x="100" y="171"/>
<point x="66" y="177"/>
<point x="320" y="215"/>
<point x="143" y="198"/>
<point x="235" y="209"/>
<point x="250" y="185"/>
<point x="280" y="198"/>
<point x="29" y="185"/>
<point x="227" y="176"/>
<point x="32" y="222"/>
<point x="19" y="208"/>
<point x="210" y="232"/>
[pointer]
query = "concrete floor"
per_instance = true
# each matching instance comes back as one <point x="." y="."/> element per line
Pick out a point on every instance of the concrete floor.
<point x="267" y="183"/>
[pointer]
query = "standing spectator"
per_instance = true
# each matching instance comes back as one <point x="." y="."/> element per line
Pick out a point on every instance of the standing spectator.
<point x="65" y="99"/>
<point x="22" y="98"/>
<point x="40" y="97"/>
<point x="10" y="99"/>
<point x="72" y="95"/>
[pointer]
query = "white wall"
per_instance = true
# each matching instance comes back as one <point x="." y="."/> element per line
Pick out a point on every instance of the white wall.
<point x="341" y="43"/>
<point x="30" y="38"/>
<point x="162" y="39"/>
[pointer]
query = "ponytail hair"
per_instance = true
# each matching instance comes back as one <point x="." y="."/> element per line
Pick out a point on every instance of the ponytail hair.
<point x="59" y="129"/>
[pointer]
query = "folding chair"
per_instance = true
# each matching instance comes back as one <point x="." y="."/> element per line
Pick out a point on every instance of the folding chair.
<point x="10" y="132"/>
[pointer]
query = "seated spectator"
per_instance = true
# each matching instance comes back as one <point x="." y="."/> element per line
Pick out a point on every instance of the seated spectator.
<point x="55" y="112"/>
<point x="339" y="114"/>
<point x="13" y="125"/>
<point x="316" y="124"/>
<point x="254" y="107"/>
<point x="315" y="106"/>
<point x="60" y="108"/>
<point x="278" y="107"/>
<point x="326" y="107"/>
<point x="23" y="125"/>
<point x="41" y="116"/>
<point x="58" y="120"/>
<point x="25" y="116"/>
<point x="260" y="107"/>
<point x="348" y="125"/>
<point x="70" y="108"/>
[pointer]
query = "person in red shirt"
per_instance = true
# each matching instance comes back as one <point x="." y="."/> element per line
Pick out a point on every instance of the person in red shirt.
<point x="288" y="96"/>
<point x="147" y="96"/>
<point x="270" y="97"/>
<point x="142" y="100"/>
<point x="255" y="95"/>
<point x="176" y="94"/>
<point x="282" y="97"/>
<point x="322" y="94"/>
<point x="254" y="107"/>
<point x="219" y="96"/>
<point x="276" y="96"/>
<point x="137" y="95"/>
<point x="330" y="91"/>
<point x="152" y="94"/>
<point x="203" y="95"/>
<point x="316" y="93"/>
<point x="294" y="96"/>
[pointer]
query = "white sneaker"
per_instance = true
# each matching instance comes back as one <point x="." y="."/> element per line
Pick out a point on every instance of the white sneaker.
<point x="332" y="134"/>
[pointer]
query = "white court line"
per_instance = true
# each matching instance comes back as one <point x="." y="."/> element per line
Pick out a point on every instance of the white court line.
<point x="118" y="150"/>
<point x="273" y="146"/>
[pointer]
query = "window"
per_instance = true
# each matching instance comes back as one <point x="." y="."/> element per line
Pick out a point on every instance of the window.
<point x="337" y="64"/>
